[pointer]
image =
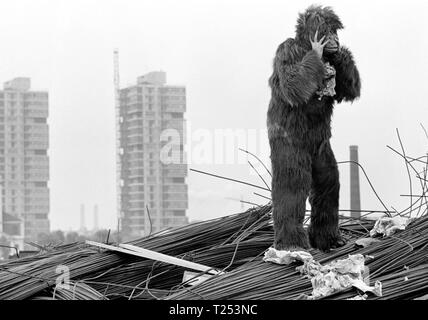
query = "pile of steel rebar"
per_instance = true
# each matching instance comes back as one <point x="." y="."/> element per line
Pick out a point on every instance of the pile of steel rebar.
<point x="235" y="246"/>
<point x="114" y="274"/>
<point x="400" y="262"/>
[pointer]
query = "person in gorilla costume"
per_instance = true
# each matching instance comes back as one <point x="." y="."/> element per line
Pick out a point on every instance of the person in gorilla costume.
<point x="310" y="73"/>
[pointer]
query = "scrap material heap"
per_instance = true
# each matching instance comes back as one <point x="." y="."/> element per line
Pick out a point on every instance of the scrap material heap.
<point x="234" y="245"/>
<point x="383" y="259"/>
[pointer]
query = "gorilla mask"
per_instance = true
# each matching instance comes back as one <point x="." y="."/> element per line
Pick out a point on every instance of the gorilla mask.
<point x="322" y="19"/>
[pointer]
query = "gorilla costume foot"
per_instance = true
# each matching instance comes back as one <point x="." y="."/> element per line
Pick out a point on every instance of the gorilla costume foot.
<point x="324" y="240"/>
<point x="297" y="242"/>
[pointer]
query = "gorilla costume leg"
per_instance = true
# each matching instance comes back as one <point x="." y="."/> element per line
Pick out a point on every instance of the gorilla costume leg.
<point x="291" y="171"/>
<point x="324" y="199"/>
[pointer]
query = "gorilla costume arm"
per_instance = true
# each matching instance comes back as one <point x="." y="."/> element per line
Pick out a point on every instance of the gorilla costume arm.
<point x="348" y="83"/>
<point x="298" y="78"/>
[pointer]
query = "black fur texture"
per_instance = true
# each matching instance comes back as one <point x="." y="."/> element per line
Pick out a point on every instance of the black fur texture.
<point x="299" y="131"/>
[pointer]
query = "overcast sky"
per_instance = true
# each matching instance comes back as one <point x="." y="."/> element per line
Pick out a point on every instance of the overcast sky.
<point x="222" y="52"/>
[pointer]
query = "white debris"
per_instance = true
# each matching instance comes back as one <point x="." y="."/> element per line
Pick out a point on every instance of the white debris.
<point x="387" y="226"/>
<point x="365" y="242"/>
<point x="327" y="279"/>
<point x="363" y="297"/>
<point x="353" y="265"/>
<point x="325" y="284"/>
<point x="286" y="257"/>
<point x="338" y="275"/>
<point x="310" y="268"/>
<point x="361" y="285"/>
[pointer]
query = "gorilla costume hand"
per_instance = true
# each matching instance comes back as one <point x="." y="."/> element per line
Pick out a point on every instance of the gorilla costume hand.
<point x="318" y="46"/>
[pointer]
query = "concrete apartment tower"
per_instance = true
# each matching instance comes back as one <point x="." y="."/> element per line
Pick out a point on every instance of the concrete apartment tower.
<point x="24" y="161"/>
<point x="354" y="182"/>
<point x="147" y="109"/>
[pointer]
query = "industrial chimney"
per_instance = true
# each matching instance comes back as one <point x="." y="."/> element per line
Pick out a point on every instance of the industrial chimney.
<point x="82" y="219"/>
<point x="354" y="182"/>
<point x="96" y="217"/>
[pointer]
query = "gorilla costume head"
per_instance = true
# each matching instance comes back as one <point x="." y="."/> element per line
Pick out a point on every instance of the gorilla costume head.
<point x="322" y="19"/>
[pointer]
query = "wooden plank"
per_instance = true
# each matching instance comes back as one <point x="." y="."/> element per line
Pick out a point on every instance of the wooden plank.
<point x="153" y="255"/>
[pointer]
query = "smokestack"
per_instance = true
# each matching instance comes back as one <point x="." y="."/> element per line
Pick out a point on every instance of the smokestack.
<point x="355" y="183"/>
<point x="96" y="217"/>
<point x="82" y="218"/>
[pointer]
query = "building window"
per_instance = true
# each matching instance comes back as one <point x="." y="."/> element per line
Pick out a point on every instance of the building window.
<point x="179" y="213"/>
<point x="12" y="229"/>
<point x="39" y="120"/>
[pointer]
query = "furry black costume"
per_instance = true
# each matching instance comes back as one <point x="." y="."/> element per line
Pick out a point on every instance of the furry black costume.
<point x="299" y="131"/>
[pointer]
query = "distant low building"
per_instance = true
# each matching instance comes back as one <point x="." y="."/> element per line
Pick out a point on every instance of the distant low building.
<point x="11" y="232"/>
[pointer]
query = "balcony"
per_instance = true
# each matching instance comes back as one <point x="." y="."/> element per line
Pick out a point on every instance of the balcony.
<point x="36" y="112"/>
<point x="39" y="129"/>
<point x="134" y="174"/>
<point x="174" y="170"/>
<point x="137" y="139"/>
<point x="37" y="144"/>
<point x="182" y="196"/>
<point x="170" y="107"/>
<point x="37" y="201"/>
<point x="36" y="168"/>
<point x="175" y="205"/>
<point x="37" y="192"/>
<point x="173" y="123"/>
<point x="41" y="175"/>
<point x="134" y="108"/>
<point x="179" y="188"/>
<point x="36" y="208"/>
<point x="36" y="160"/>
